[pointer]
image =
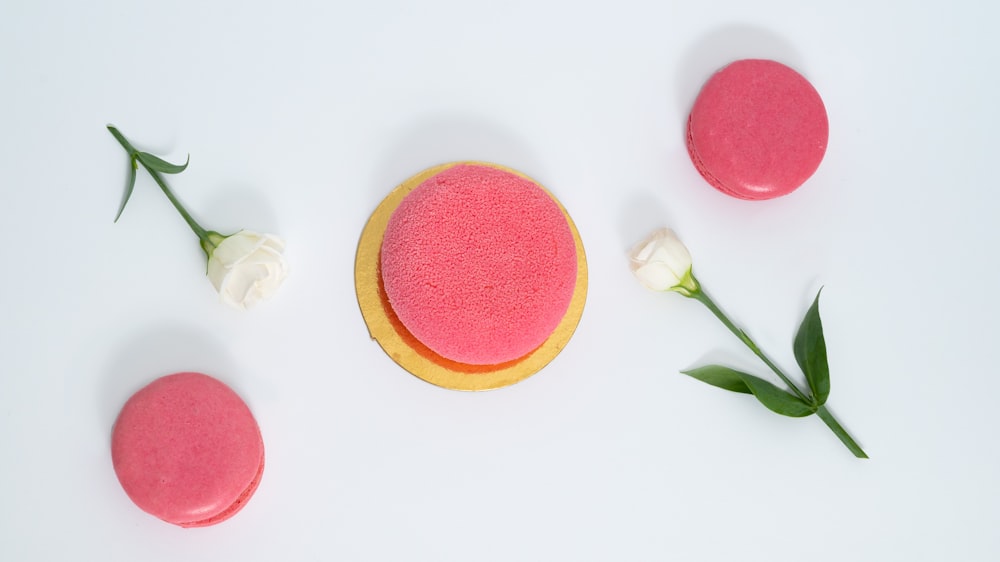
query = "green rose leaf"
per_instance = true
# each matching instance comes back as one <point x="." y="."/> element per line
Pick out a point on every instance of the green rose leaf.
<point x="777" y="400"/>
<point x="722" y="377"/>
<point x="810" y="353"/>
<point x="132" y="166"/>
<point x="161" y="165"/>
<point x="772" y="397"/>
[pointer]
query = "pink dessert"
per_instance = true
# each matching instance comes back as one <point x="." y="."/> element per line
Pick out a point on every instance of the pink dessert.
<point x="187" y="449"/>
<point x="757" y="130"/>
<point x="479" y="264"/>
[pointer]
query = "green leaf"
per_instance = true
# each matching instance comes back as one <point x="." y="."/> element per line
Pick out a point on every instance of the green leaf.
<point x="777" y="400"/>
<point x="810" y="353"/>
<point x="722" y="377"/>
<point x="128" y="187"/>
<point x="161" y="165"/>
<point x="772" y="397"/>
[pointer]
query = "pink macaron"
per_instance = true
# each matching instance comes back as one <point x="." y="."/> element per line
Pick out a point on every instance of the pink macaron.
<point x="758" y="130"/>
<point x="479" y="264"/>
<point x="187" y="449"/>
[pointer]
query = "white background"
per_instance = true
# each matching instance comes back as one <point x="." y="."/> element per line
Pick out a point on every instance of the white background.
<point x="299" y="117"/>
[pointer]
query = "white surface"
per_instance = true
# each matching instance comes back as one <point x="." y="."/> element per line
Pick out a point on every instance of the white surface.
<point x="299" y="117"/>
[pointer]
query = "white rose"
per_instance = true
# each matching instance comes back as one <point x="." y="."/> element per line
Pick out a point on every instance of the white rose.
<point x="247" y="267"/>
<point x="661" y="262"/>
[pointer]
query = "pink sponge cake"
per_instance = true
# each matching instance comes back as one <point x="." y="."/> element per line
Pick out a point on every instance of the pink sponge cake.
<point x="471" y="276"/>
<point x="187" y="449"/>
<point x="757" y="130"/>
<point x="479" y="264"/>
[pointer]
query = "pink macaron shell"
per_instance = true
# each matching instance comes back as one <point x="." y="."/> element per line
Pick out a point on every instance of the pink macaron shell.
<point x="479" y="264"/>
<point x="187" y="449"/>
<point x="758" y="130"/>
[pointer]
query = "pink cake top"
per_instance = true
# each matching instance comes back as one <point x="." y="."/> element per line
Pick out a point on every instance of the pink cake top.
<point x="479" y="264"/>
<point x="187" y="449"/>
<point x="757" y="130"/>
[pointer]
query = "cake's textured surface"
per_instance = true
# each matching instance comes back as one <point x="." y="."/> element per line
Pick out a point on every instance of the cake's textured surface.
<point x="757" y="130"/>
<point x="187" y="449"/>
<point x="479" y="264"/>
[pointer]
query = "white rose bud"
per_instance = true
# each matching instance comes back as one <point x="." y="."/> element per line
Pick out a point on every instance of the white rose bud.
<point x="661" y="262"/>
<point x="247" y="267"/>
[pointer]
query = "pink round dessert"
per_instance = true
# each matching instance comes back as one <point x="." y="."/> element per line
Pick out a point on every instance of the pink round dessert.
<point x="187" y="449"/>
<point x="758" y="130"/>
<point x="479" y="264"/>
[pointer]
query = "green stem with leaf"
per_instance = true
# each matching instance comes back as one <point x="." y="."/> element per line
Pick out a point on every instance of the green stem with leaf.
<point x="702" y="297"/>
<point x="810" y="352"/>
<point x="156" y="165"/>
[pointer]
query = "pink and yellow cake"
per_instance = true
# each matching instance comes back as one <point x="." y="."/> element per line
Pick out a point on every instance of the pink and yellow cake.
<point x="471" y="276"/>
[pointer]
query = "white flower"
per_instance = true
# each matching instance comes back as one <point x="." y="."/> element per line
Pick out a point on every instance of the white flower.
<point x="246" y="267"/>
<point x="661" y="262"/>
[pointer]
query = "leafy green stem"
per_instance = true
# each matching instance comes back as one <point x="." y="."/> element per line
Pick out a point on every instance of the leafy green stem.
<point x="153" y="165"/>
<point x="197" y="228"/>
<point x="702" y="297"/>
<point x="840" y="432"/>
<point x="810" y="348"/>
